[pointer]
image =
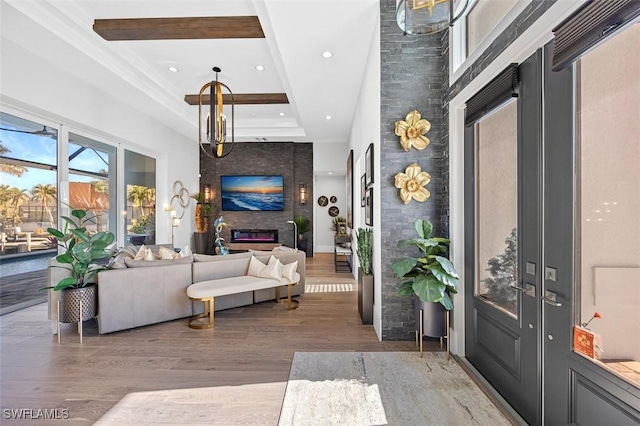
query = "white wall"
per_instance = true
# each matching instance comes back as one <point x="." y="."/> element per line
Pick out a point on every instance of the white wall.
<point x="329" y="168"/>
<point x="327" y="186"/>
<point x="366" y="130"/>
<point x="32" y="85"/>
<point x="330" y="158"/>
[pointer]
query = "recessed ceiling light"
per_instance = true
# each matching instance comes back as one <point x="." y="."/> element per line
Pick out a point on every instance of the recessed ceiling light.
<point x="327" y="54"/>
<point x="330" y="173"/>
<point x="282" y="114"/>
<point x="259" y="67"/>
<point x="328" y="117"/>
<point x="173" y="69"/>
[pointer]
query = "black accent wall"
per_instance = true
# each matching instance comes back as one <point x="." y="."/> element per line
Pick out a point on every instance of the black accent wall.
<point x="294" y="161"/>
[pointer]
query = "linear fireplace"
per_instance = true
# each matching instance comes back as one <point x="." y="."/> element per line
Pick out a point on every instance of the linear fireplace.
<point x="254" y="235"/>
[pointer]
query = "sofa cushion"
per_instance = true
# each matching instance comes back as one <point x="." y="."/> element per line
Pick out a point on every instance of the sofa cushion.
<point x="130" y="250"/>
<point x="289" y="270"/>
<point x="131" y="263"/>
<point x="142" y="250"/>
<point x="149" y="256"/>
<point x="271" y="270"/>
<point x="165" y="253"/>
<point x="218" y="258"/>
<point x="118" y="261"/>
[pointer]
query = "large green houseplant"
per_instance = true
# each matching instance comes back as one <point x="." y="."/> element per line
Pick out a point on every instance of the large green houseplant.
<point x="430" y="276"/>
<point x="82" y="251"/>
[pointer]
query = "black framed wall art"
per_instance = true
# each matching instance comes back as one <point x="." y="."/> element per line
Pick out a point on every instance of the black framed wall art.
<point x="368" y="162"/>
<point x="368" y="208"/>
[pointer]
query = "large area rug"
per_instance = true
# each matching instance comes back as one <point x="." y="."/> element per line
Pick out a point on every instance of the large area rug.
<point x="383" y="388"/>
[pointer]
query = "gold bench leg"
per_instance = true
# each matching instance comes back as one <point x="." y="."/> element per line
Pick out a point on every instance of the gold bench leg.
<point x="291" y="304"/>
<point x="208" y="303"/>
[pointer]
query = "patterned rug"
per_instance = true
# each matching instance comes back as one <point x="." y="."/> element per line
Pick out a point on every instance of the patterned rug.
<point x="329" y="288"/>
<point x="383" y="388"/>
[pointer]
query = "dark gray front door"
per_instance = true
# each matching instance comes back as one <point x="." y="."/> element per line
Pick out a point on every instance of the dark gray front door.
<point x="503" y="269"/>
<point x="519" y="319"/>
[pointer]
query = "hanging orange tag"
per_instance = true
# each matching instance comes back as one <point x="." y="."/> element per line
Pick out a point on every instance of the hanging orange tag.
<point x="584" y="342"/>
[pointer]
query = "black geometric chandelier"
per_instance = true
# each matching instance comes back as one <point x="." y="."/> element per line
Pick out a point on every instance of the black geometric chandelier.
<point x="212" y="115"/>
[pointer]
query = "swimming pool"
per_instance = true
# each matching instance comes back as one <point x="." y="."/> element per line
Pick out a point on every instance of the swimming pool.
<point x="22" y="264"/>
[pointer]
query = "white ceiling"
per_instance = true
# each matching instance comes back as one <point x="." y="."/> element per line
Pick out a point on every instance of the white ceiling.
<point x="296" y="34"/>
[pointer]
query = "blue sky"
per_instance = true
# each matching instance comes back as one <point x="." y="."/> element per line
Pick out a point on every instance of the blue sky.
<point x="44" y="150"/>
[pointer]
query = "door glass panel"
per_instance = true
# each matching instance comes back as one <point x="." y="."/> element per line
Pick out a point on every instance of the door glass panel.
<point x="609" y="202"/>
<point x="140" y="184"/>
<point x="483" y="18"/>
<point x="28" y="206"/>
<point x="92" y="171"/>
<point x="497" y="200"/>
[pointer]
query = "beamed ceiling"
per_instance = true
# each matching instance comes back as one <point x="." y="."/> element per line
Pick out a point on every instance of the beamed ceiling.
<point x="126" y="48"/>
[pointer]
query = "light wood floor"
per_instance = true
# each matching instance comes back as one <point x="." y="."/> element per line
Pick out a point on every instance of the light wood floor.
<point x="248" y="353"/>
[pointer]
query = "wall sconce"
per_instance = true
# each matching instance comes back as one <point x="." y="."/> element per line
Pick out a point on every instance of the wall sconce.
<point x="182" y="197"/>
<point x="303" y="193"/>
<point x="206" y="189"/>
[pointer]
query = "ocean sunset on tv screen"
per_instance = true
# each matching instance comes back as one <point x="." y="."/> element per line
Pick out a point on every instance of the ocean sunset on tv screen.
<point x="252" y="193"/>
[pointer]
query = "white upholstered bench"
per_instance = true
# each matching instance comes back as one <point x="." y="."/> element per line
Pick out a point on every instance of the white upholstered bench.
<point x="207" y="291"/>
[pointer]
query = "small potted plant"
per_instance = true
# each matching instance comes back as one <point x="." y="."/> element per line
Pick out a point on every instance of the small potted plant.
<point x="82" y="251"/>
<point x="431" y="277"/>
<point x="302" y="224"/>
<point x="365" y="275"/>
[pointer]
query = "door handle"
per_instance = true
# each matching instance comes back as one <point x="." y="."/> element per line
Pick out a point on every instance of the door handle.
<point x="528" y="289"/>
<point x="550" y="298"/>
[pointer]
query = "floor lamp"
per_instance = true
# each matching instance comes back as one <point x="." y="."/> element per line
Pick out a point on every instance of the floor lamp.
<point x="295" y="236"/>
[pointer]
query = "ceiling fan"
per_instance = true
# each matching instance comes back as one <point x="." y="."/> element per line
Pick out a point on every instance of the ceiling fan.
<point x="43" y="132"/>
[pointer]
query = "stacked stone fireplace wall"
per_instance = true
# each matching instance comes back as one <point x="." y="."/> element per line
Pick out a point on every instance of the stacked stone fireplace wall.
<point x="294" y="161"/>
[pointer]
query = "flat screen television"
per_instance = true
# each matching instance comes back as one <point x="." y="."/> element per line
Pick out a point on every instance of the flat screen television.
<point x="252" y="193"/>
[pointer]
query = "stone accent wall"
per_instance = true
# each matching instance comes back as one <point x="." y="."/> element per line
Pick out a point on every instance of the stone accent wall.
<point x="411" y="78"/>
<point x="294" y="161"/>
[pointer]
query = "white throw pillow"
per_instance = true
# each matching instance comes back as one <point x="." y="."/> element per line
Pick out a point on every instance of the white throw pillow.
<point x="149" y="256"/>
<point x="165" y="253"/>
<point x="289" y="270"/>
<point x="260" y="270"/>
<point x="275" y="268"/>
<point x="185" y="252"/>
<point x="255" y="266"/>
<point x="140" y="254"/>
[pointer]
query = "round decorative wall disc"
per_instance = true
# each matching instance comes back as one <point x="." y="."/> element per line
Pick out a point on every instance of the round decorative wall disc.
<point x="333" y="199"/>
<point x="334" y="211"/>
<point x="322" y="201"/>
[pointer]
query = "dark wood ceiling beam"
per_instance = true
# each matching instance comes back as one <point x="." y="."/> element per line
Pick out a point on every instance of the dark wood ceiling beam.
<point x="244" y="99"/>
<point x="179" y="28"/>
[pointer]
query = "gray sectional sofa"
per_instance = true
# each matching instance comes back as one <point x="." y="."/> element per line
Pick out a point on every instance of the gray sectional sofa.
<point x="157" y="292"/>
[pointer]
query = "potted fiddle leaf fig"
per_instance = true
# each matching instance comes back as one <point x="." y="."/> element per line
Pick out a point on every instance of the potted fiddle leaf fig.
<point x="82" y="252"/>
<point x="365" y="275"/>
<point x="430" y="276"/>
